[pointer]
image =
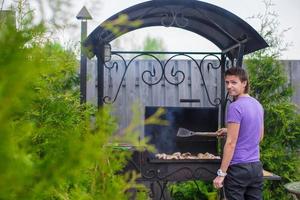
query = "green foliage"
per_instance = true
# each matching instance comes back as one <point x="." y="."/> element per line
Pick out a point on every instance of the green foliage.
<point x="193" y="190"/>
<point x="269" y="85"/>
<point x="51" y="146"/>
<point x="282" y="123"/>
<point x="154" y="44"/>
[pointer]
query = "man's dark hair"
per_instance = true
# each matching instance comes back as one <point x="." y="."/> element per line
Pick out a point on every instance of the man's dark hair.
<point x="239" y="72"/>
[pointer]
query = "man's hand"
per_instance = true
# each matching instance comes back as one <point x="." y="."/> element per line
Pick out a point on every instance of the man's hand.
<point x="218" y="182"/>
<point x="222" y="132"/>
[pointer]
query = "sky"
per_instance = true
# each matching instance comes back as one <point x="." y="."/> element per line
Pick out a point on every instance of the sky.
<point x="288" y="17"/>
<point x="288" y="11"/>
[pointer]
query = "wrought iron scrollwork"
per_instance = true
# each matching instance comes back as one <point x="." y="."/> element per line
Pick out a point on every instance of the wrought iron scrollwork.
<point x="217" y="101"/>
<point x="175" y="73"/>
<point x="188" y="173"/>
<point x="201" y="171"/>
<point x="174" y="18"/>
<point x="162" y="71"/>
<point x="185" y="173"/>
<point x="154" y="173"/>
<point x="150" y="173"/>
<point x="153" y="73"/>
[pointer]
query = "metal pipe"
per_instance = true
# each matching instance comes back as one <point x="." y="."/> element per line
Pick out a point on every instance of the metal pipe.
<point x="223" y="100"/>
<point x="163" y="52"/>
<point x="235" y="46"/>
<point x="83" y="63"/>
<point x="83" y="15"/>
<point x="239" y="61"/>
<point x="100" y="74"/>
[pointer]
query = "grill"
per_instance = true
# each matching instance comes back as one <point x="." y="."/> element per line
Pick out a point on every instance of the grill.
<point x="156" y="173"/>
<point x="165" y="138"/>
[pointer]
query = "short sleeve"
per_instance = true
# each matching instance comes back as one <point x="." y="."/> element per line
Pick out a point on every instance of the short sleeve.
<point x="234" y="114"/>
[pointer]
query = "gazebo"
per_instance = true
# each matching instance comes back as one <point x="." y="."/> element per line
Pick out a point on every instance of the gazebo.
<point x="232" y="35"/>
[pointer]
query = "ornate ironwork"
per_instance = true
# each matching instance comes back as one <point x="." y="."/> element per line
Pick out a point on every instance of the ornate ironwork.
<point x="158" y="173"/>
<point x="173" y="76"/>
<point x="162" y="188"/>
<point x="173" y="18"/>
<point x="182" y="173"/>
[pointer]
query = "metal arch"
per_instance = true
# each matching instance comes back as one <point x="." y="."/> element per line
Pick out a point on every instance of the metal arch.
<point x="173" y="13"/>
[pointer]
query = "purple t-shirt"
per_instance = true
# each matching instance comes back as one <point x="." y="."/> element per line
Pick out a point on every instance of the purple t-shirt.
<point x="247" y="112"/>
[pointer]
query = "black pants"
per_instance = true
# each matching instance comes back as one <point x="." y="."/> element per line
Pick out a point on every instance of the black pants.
<point x="244" y="181"/>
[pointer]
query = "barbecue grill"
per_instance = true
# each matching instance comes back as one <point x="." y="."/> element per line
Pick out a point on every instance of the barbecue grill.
<point x="156" y="173"/>
<point x="159" y="172"/>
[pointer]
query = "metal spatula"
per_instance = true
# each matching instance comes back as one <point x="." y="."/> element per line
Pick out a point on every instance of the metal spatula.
<point x="182" y="132"/>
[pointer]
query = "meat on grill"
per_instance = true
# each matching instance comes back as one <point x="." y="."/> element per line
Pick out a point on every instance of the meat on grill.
<point x="187" y="155"/>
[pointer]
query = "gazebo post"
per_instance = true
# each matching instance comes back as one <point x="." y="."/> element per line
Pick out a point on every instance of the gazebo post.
<point x="83" y="15"/>
<point x="223" y="100"/>
<point x="100" y="74"/>
<point x="239" y="62"/>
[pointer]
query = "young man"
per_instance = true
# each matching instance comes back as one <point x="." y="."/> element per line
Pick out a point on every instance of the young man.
<point x="241" y="170"/>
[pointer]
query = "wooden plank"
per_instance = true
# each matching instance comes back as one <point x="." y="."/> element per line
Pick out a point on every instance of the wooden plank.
<point x="91" y="89"/>
<point x="130" y="92"/>
<point x="143" y="88"/>
<point x="149" y="94"/>
<point x="121" y="101"/>
<point x="295" y="80"/>
<point x="204" y="81"/>
<point x="172" y="96"/>
<point x="212" y="80"/>
<point x="157" y="96"/>
<point x="196" y="80"/>
<point x="163" y="89"/>
<point x="184" y="89"/>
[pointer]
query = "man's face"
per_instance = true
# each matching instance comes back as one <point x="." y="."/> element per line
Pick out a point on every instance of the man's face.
<point x="234" y="85"/>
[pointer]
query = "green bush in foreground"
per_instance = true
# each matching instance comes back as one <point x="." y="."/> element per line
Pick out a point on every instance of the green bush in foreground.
<point x="49" y="147"/>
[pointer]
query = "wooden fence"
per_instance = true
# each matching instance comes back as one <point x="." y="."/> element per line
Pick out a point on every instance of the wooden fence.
<point x="293" y="73"/>
<point x="133" y="89"/>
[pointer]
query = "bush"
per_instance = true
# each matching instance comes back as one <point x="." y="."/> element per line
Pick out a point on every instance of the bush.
<point x="51" y="146"/>
<point x="282" y="123"/>
<point x="268" y="83"/>
<point x="193" y="190"/>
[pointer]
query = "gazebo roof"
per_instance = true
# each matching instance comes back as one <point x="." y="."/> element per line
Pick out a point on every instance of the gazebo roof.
<point x="226" y="30"/>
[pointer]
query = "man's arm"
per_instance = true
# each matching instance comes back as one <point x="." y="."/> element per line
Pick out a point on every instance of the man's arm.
<point x="229" y="147"/>
<point x="262" y="133"/>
